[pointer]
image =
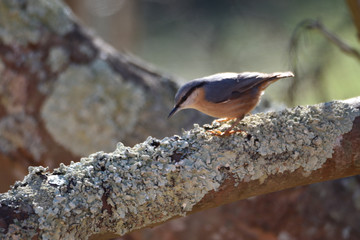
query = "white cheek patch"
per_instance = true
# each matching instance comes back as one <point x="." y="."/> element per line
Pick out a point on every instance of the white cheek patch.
<point x="191" y="101"/>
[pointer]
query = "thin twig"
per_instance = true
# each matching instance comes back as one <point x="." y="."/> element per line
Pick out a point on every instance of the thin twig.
<point x="344" y="47"/>
<point x="311" y="24"/>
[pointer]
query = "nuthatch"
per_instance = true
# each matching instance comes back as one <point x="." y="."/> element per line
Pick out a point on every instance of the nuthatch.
<point x="225" y="95"/>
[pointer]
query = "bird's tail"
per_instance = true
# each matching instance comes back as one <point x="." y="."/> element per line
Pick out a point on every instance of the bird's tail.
<point x="273" y="77"/>
<point x="278" y="75"/>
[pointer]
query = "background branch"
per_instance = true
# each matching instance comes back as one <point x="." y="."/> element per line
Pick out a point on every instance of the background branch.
<point x="64" y="90"/>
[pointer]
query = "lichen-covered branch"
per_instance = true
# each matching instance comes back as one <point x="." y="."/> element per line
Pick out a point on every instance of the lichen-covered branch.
<point x="109" y="194"/>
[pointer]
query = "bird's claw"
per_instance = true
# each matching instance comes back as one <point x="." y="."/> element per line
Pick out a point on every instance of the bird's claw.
<point x="215" y="132"/>
<point x="224" y="134"/>
<point x="221" y="120"/>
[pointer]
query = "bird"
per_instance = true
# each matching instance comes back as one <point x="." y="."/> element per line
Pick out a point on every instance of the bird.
<point x="226" y="95"/>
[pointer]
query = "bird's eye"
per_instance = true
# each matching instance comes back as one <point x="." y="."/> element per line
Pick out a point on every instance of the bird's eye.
<point x="183" y="99"/>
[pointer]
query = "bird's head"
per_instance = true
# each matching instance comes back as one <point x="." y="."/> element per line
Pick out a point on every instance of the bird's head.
<point x="186" y="96"/>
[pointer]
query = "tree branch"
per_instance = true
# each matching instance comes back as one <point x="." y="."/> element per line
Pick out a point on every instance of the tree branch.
<point x="111" y="194"/>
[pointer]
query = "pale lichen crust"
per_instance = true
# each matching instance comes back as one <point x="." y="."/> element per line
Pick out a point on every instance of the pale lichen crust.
<point x="21" y="21"/>
<point x="95" y="103"/>
<point x="159" y="179"/>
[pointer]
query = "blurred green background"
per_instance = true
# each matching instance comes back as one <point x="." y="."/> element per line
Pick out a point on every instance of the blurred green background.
<point x="195" y="38"/>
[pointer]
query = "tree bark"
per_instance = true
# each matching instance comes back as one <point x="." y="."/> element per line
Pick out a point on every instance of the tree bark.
<point x="65" y="94"/>
<point x="111" y="194"/>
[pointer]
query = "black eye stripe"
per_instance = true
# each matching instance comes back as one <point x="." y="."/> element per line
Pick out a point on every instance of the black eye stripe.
<point x="183" y="99"/>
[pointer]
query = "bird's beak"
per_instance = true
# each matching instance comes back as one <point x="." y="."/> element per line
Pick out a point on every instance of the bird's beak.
<point x="173" y="111"/>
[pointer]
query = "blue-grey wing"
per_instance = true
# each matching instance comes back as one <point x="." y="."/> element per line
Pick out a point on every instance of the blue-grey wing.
<point x="225" y="89"/>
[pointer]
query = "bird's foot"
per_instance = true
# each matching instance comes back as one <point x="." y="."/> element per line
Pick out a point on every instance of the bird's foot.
<point x="221" y="120"/>
<point x="215" y="132"/>
<point x="230" y="132"/>
<point x="224" y="134"/>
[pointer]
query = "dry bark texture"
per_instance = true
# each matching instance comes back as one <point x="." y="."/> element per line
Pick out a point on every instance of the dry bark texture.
<point x="328" y="210"/>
